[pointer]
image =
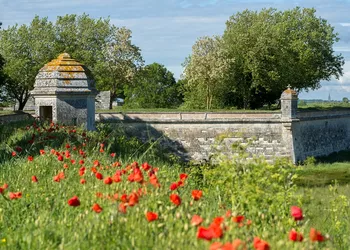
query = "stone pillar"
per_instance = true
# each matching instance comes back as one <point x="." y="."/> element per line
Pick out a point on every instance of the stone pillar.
<point x="289" y="107"/>
<point x="289" y="104"/>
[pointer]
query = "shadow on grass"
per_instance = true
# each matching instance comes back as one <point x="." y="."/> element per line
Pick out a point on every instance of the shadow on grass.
<point x="32" y="138"/>
<point x="341" y="156"/>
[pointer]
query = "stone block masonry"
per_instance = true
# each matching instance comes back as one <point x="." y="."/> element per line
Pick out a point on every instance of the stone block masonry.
<point x="193" y="136"/>
<point x="289" y="133"/>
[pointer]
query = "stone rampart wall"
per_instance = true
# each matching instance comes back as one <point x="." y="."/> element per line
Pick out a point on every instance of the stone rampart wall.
<point x="320" y="133"/>
<point x="14" y="118"/>
<point x="196" y="136"/>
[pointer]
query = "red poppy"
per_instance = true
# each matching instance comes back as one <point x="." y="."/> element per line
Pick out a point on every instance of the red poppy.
<point x="113" y="155"/>
<point x="13" y="153"/>
<point x="154" y="181"/>
<point x="116" y="178"/>
<point x="96" y="163"/>
<point x="196" y="220"/>
<point x="42" y="151"/>
<point x="216" y="246"/>
<point x="174" y="198"/>
<point x="81" y="162"/>
<point x="65" y="165"/>
<point x="260" y="244"/>
<point x="183" y="176"/>
<point x="217" y="221"/>
<point x="72" y="161"/>
<point x="295" y="236"/>
<point x="196" y="194"/>
<point x="15" y="195"/>
<point x="205" y="233"/>
<point x="131" y="177"/>
<point x="316" y="235"/>
<point x="124" y="198"/>
<point x="56" y="178"/>
<point x="138" y="176"/>
<point x="180" y="184"/>
<point x="67" y="145"/>
<point x="34" y="178"/>
<point x="151" y="216"/>
<point x="108" y="180"/>
<point x="173" y="186"/>
<point x="60" y="158"/>
<point x="18" y="149"/>
<point x="238" y="218"/>
<point x="99" y="176"/>
<point x="82" y="171"/>
<point x="82" y="181"/>
<point x="296" y="212"/>
<point x="213" y="231"/>
<point x="30" y="158"/>
<point x="146" y="166"/>
<point x="74" y="202"/>
<point x="133" y="200"/>
<point x="116" y="164"/>
<point x="236" y="245"/>
<point x="61" y="175"/>
<point x="97" y="208"/>
<point x="122" y="208"/>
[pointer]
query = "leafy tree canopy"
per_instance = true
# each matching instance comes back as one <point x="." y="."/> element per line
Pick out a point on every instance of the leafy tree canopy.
<point x="154" y="87"/>
<point x="25" y="50"/>
<point x="271" y="49"/>
<point x="105" y="49"/>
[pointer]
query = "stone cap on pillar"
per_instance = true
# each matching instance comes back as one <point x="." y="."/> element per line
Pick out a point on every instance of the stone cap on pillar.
<point x="289" y="94"/>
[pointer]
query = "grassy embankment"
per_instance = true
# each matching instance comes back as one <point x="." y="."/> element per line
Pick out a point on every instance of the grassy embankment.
<point x="263" y="193"/>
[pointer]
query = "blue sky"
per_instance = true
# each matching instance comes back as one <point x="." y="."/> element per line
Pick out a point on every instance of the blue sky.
<point x="166" y="30"/>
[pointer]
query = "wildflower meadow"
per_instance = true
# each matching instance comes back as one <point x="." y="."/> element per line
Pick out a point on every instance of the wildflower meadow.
<point x="64" y="188"/>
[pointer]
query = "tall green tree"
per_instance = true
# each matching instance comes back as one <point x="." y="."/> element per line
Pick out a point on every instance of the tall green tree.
<point x="2" y="81"/>
<point x="204" y="72"/>
<point x="153" y="87"/>
<point x="25" y="50"/>
<point x="273" y="49"/>
<point x="119" y="61"/>
<point x="82" y="37"/>
<point x="106" y="50"/>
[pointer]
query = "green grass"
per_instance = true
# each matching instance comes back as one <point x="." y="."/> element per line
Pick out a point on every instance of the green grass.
<point x="324" y="106"/>
<point x="6" y="112"/>
<point x="42" y="218"/>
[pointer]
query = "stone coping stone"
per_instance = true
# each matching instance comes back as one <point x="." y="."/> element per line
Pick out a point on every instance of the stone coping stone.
<point x="189" y="117"/>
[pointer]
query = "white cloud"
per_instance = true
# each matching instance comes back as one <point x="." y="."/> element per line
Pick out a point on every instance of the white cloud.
<point x="342" y="48"/>
<point x="345" y="24"/>
<point x="345" y="79"/>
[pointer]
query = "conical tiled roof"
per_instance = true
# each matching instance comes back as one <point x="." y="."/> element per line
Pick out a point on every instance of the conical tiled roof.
<point x="63" y="72"/>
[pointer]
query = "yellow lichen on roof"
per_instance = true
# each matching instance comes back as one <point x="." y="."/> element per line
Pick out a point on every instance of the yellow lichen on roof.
<point x="64" y="63"/>
<point x="290" y="91"/>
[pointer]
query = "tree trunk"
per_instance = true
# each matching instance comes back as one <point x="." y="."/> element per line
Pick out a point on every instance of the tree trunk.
<point x="21" y="105"/>
<point x="113" y="96"/>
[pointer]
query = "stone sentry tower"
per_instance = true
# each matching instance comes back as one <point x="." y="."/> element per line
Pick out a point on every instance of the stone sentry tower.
<point x="289" y="104"/>
<point x="64" y="92"/>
